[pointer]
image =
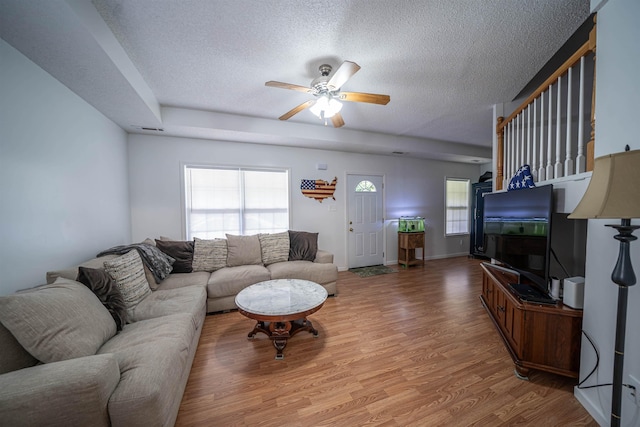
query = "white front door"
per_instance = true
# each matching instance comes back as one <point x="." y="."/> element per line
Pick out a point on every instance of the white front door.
<point x="365" y="220"/>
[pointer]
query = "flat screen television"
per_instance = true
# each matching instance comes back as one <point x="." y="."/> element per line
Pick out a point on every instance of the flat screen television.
<point x="517" y="232"/>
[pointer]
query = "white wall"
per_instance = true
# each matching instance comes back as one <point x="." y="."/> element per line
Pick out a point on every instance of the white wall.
<point x="63" y="176"/>
<point x="413" y="187"/>
<point x="617" y="118"/>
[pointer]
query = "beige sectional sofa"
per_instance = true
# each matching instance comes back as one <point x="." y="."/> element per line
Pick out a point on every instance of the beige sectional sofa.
<point x="67" y="359"/>
<point x="134" y="377"/>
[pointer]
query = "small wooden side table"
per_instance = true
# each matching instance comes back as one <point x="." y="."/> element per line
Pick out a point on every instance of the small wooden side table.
<point x="407" y="244"/>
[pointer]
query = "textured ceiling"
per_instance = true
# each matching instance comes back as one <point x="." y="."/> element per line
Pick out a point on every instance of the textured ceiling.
<point x="197" y="68"/>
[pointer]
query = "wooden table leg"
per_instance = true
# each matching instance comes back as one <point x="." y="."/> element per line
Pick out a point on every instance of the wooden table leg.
<point x="260" y="327"/>
<point x="279" y="334"/>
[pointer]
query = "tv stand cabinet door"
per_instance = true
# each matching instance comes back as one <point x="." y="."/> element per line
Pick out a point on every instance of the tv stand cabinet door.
<point x="511" y="318"/>
<point x="489" y="294"/>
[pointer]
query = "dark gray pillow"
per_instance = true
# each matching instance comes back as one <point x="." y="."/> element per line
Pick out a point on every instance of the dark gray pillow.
<point x="181" y="251"/>
<point x="106" y="289"/>
<point x="302" y="246"/>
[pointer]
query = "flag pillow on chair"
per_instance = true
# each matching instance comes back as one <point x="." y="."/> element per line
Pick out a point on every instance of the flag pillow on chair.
<point x="522" y="179"/>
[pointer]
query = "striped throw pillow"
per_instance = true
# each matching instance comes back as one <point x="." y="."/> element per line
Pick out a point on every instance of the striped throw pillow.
<point x="128" y="272"/>
<point x="274" y="247"/>
<point x="209" y="255"/>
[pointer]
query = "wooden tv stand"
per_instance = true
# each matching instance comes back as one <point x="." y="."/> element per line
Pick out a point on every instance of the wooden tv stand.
<point x="542" y="337"/>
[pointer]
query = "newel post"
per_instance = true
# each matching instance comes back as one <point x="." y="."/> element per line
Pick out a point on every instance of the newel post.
<point x="500" y="159"/>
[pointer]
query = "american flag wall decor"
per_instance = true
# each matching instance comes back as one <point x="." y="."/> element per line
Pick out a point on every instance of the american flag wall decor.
<point x="318" y="189"/>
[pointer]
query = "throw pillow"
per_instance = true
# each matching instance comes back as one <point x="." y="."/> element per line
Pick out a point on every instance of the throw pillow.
<point x="209" y="255"/>
<point x="106" y="289"/>
<point x="182" y="252"/>
<point x="274" y="247"/>
<point x="243" y="250"/>
<point x="303" y="246"/>
<point x="57" y="322"/>
<point x="128" y="272"/>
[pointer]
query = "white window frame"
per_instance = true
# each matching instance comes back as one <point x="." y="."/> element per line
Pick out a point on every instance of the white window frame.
<point x="448" y="206"/>
<point x="185" y="189"/>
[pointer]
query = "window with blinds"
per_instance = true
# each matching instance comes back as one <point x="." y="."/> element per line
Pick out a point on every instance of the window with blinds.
<point x="457" y="206"/>
<point x="240" y="201"/>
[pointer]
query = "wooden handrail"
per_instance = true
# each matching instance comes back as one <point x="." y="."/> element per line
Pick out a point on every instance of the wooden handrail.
<point x="573" y="60"/>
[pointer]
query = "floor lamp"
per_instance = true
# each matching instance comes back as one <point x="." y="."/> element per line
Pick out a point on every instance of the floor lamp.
<point x="613" y="194"/>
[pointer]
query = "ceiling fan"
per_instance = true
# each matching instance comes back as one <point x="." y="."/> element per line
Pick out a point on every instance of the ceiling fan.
<point x="328" y="95"/>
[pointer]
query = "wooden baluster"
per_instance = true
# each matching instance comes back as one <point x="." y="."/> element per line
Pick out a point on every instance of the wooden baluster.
<point x="527" y="131"/>
<point x="549" y="135"/>
<point x="507" y="173"/>
<point x="557" y="171"/>
<point x="512" y="159"/>
<point x="516" y="143"/>
<point x="568" y="160"/>
<point x="541" y="171"/>
<point x="534" y="153"/>
<point x="580" y="158"/>
<point x="522" y="160"/>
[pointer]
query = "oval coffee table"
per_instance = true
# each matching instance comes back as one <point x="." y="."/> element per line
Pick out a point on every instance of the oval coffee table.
<point x="281" y="308"/>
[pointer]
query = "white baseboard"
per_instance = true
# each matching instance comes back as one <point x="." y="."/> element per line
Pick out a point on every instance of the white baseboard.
<point x="456" y="255"/>
<point x="593" y="408"/>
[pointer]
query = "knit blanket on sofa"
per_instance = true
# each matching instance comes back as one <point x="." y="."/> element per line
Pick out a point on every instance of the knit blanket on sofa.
<point x="159" y="263"/>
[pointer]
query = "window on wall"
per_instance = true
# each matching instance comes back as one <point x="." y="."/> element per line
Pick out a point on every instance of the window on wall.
<point x="240" y="201"/>
<point x="457" y="205"/>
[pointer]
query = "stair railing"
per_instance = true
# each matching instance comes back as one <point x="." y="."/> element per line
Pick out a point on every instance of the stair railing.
<point x="540" y="132"/>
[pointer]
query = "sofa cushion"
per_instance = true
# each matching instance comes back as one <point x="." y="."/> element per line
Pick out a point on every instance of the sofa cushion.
<point x="191" y="300"/>
<point x="243" y="250"/>
<point x="57" y="322"/>
<point x="274" y="247"/>
<point x="303" y="246"/>
<point x="305" y="270"/>
<point x="181" y="252"/>
<point x="180" y="280"/>
<point x="128" y="272"/>
<point x="106" y="289"/>
<point x="152" y="355"/>
<point x="231" y="280"/>
<point x="209" y="255"/>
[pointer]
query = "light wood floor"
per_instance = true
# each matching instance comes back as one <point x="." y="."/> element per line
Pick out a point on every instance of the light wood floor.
<point x="413" y="348"/>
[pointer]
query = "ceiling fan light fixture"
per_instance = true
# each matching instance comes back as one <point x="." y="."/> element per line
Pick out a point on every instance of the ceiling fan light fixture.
<point x="326" y="107"/>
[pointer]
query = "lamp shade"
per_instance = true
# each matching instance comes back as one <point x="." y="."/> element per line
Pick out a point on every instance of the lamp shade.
<point x="614" y="190"/>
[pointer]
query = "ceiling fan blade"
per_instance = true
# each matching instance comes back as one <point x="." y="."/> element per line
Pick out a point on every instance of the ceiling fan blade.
<point x="296" y="110"/>
<point x="372" y="98"/>
<point x="337" y="120"/>
<point x="281" y="85"/>
<point x="342" y="74"/>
